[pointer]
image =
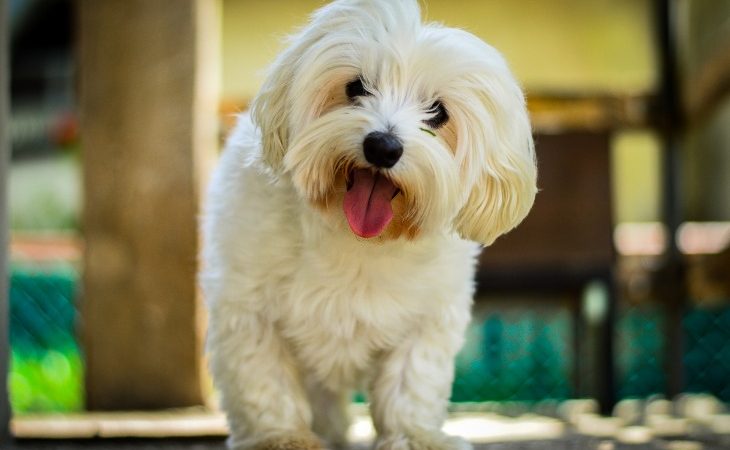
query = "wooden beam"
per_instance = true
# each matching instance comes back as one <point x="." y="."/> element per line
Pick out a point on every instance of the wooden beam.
<point x="4" y="220"/>
<point x="704" y="39"/>
<point x="148" y="73"/>
<point x="709" y="86"/>
<point x="550" y="112"/>
<point x="556" y="113"/>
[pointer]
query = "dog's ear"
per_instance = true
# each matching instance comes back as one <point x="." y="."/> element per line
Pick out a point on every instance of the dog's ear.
<point x="270" y="109"/>
<point x="500" y="164"/>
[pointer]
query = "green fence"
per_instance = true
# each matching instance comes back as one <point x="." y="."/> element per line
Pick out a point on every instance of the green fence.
<point x="707" y="351"/>
<point x="515" y="353"/>
<point x="46" y="367"/>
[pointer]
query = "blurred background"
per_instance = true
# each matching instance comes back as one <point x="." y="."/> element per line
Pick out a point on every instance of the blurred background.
<point x="616" y="287"/>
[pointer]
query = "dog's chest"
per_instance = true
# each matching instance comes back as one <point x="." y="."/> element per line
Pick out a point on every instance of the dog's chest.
<point x="337" y="344"/>
<point x="340" y="314"/>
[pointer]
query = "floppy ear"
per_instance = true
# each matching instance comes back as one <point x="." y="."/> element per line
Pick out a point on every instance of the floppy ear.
<point x="501" y="163"/>
<point x="270" y="109"/>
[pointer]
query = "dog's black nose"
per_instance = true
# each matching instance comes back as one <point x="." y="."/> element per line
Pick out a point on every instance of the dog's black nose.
<point x="382" y="149"/>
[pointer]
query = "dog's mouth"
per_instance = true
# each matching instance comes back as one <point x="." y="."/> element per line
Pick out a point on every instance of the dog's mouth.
<point x="367" y="203"/>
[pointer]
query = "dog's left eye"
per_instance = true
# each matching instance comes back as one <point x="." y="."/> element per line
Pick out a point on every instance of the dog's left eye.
<point x="439" y="115"/>
<point x="355" y="88"/>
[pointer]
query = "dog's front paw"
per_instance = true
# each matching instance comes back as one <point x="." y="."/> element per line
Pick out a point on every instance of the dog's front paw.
<point x="286" y="441"/>
<point x="425" y="440"/>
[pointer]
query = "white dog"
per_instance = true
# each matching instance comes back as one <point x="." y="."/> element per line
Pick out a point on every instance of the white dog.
<point x="340" y="224"/>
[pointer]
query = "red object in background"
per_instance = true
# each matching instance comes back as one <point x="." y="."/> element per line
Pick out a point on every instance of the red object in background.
<point x="65" y="129"/>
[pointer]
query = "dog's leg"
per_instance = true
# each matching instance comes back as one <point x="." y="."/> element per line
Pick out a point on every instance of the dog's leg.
<point x="261" y="390"/>
<point x="410" y="392"/>
<point x="330" y="416"/>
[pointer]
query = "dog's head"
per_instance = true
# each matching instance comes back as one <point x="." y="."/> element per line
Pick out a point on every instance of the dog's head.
<point x="397" y="128"/>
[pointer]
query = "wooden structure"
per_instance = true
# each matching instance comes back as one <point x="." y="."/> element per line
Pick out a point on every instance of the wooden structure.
<point x="694" y="85"/>
<point x="564" y="244"/>
<point x="704" y="39"/>
<point x="568" y="231"/>
<point x="148" y="74"/>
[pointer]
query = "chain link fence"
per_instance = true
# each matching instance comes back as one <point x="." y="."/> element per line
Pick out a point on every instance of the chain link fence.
<point x="707" y="351"/>
<point x="641" y="349"/>
<point x="514" y="352"/>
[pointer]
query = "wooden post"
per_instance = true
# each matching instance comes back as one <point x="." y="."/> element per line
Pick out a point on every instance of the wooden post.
<point x="4" y="220"/>
<point x="148" y="80"/>
<point x="671" y="125"/>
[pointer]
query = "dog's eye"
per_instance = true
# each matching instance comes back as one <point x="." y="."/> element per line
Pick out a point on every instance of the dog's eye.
<point x="439" y="115"/>
<point x="355" y="88"/>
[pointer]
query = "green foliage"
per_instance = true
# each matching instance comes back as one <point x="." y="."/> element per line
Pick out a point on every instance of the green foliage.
<point x="46" y="367"/>
<point x="50" y="381"/>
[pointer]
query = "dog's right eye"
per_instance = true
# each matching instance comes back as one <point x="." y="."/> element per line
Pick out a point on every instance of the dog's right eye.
<point x="355" y="88"/>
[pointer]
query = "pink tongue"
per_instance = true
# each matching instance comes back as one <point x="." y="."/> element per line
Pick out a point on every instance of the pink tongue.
<point x="367" y="203"/>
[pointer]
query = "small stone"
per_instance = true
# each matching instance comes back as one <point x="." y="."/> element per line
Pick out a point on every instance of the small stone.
<point x="665" y="425"/>
<point x="720" y="424"/>
<point x="594" y="425"/>
<point x="699" y="407"/>
<point x="659" y="406"/>
<point x="635" y="435"/>
<point x="684" y="445"/>
<point x="629" y="410"/>
<point x="569" y="410"/>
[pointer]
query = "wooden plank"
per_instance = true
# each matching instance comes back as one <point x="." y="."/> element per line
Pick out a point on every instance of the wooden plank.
<point x="148" y="102"/>
<point x="128" y="424"/>
<point x="4" y="220"/>
<point x="555" y="113"/>
<point x="476" y="427"/>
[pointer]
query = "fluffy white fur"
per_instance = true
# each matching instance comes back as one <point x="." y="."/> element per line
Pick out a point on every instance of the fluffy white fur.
<point x="301" y="309"/>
